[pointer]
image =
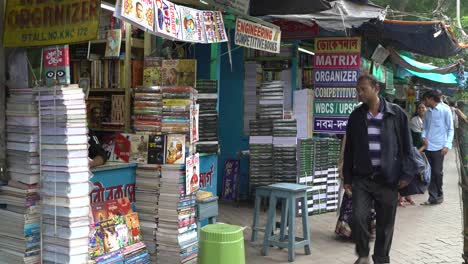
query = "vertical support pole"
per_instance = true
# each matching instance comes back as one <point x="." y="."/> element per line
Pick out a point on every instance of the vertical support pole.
<point x="148" y="44"/>
<point x="215" y="66"/>
<point x="128" y="75"/>
<point x="3" y="174"/>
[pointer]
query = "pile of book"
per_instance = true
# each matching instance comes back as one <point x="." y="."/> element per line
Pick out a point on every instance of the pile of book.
<point x="177" y="101"/>
<point x="284" y="150"/>
<point x="261" y="162"/>
<point x="208" y="116"/>
<point x="65" y="173"/>
<point x="177" y="236"/>
<point x="270" y="103"/>
<point x="147" y="198"/>
<point x="147" y="109"/>
<point x="115" y="235"/>
<point x="252" y="78"/>
<point x="20" y="238"/>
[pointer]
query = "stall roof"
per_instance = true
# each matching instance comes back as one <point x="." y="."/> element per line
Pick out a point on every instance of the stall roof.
<point x="281" y="7"/>
<point x="430" y="38"/>
<point x="449" y="78"/>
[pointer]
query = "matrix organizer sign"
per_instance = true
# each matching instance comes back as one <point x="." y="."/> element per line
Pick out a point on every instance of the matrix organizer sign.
<point x="256" y="36"/>
<point x="336" y="70"/>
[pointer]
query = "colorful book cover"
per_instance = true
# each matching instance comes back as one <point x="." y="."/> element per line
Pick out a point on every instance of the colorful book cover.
<point x="99" y="211"/>
<point x="124" y="205"/>
<point x="118" y="207"/>
<point x="108" y="144"/>
<point x="214" y="27"/>
<point x="122" y="235"/>
<point x="113" y="41"/>
<point x="122" y="147"/>
<point x="167" y="19"/>
<point x="110" y="236"/>
<point x="169" y="72"/>
<point x="152" y="71"/>
<point x="175" y="149"/>
<point x="194" y="114"/>
<point x="139" y="11"/>
<point x="192" y="25"/>
<point x="134" y="231"/>
<point x="192" y="167"/>
<point x="96" y="241"/>
<point x="156" y="149"/>
<point x="139" y="149"/>
<point x="186" y="73"/>
<point x="57" y="65"/>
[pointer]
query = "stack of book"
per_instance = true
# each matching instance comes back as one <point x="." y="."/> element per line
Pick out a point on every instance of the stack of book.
<point x="147" y="197"/>
<point x="176" y="108"/>
<point x="65" y="173"/>
<point x="177" y="236"/>
<point x="252" y="78"/>
<point x="261" y="162"/>
<point x="270" y="103"/>
<point x="208" y="116"/>
<point x="284" y="150"/>
<point x="147" y="109"/>
<point x="333" y="178"/>
<point x="20" y="238"/>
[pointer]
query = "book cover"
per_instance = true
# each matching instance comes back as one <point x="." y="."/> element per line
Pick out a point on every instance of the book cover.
<point x="194" y="114"/>
<point x="122" y="147"/>
<point x="139" y="11"/>
<point x="167" y="19"/>
<point x="169" y="72"/>
<point x="111" y="238"/>
<point x="99" y="211"/>
<point x="119" y="207"/>
<point x="139" y="149"/>
<point x="156" y="149"/>
<point x="137" y="73"/>
<point x="134" y="231"/>
<point x="192" y="25"/>
<point x="175" y="149"/>
<point x="192" y="167"/>
<point x="186" y="72"/>
<point x="96" y="241"/>
<point x="113" y="41"/>
<point x="108" y="144"/>
<point x="122" y="235"/>
<point x="152" y="71"/>
<point x="214" y="27"/>
<point x="57" y="65"/>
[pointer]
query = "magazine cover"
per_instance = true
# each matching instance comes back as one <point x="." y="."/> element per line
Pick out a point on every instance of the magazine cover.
<point x="57" y="65"/>
<point x="192" y="25"/>
<point x="167" y="19"/>
<point x="152" y="71"/>
<point x="99" y="211"/>
<point x="194" y="114"/>
<point x="119" y="207"/>
<point x="122" y="147"/>
<point x="96" y="241"/>
<point x="133" y="226"/>
<point x="113" y="41"/>
<point x="122" y="235"/>
<point x="175" y="149"/>
<point x="139" y="149"/>
<point x="156" y="149"/>
<point x="110" y="236"/>
<point x="139" y="11"/>
<point x="192" y="167"/>
<point x="214" y="27"/>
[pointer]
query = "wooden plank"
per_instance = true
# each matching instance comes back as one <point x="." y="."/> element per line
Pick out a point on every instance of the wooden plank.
<point x="2" y="98"/>
<point x="128" y="76"/>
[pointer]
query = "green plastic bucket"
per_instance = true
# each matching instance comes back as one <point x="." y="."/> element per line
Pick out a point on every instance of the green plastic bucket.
<point x="221" y="244"/>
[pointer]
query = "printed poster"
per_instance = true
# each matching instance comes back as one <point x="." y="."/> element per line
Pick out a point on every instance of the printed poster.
<point x="167" y="19"/>
<point x="231" y="179"/>
<point x="192" y="167"/>
<point x="194" y="114"/>
<point x="192" y="25"/>
<point x="139" y="11"/>
<point x="214" y="27"/>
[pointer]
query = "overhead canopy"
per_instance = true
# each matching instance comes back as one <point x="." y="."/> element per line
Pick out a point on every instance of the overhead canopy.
<point x="430" y="38"/>
<point x="341" y="15"/>
<point x="449" y="78"/>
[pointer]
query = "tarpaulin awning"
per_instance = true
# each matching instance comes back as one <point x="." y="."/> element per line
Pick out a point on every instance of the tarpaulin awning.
<point x="281" y="7"/>
<point x="398" y="59"/>
<point x="430" y="38"/>
<point x="449" y="78"/>
<point x="342" y="15"/>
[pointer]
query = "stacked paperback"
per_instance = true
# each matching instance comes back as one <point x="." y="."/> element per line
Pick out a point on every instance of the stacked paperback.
<point x="177" y="235"/>
<point x="20" y="238"/>
<point x="270" y="103"/>
<point x="208" y="116"/>
<point x="147" y="109"/>
<point x="252" y="77"/>
<point x="284" y="150"/>
<point x="177" y="102"/>
<point x="65" y="173"/>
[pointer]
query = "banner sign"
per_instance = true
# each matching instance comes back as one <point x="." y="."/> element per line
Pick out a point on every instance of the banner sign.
<point x="256" y="36"/>
<point x="209" y="173"/>
<point x="337" y="64"/>
<point x="50" y="22"/>
<point x="296" y="30"/>
<point x="231" y="180"/>
<point x="113" y="182"/>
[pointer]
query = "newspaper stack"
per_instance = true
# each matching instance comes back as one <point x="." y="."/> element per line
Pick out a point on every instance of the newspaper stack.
<point x="176" y="108"/>
<point x="208" y="120"/>
<point x="20" y="237"/>
<point x="177" y="235"/>
<point x="65" y="173"/>
<point x="147" y="196"/>
<point x="147" y="109"/>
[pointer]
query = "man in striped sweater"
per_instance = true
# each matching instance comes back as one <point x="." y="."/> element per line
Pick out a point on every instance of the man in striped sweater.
<point x="376" y="164"/>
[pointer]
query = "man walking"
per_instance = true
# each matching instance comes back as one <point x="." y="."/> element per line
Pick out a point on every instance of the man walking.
<point x="375" y="165"/>
<point x="437" y="133"/>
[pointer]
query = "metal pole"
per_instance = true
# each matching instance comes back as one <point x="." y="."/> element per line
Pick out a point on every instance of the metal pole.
<point x="3" y="174"/>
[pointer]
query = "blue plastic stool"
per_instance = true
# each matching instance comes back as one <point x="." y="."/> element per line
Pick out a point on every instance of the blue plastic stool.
<point x="291" y="193"/>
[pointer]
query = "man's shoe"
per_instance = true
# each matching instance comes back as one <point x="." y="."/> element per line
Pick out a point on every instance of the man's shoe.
<point x="362" y="260"/>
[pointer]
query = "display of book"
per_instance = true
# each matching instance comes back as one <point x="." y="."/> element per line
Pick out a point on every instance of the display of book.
<point x="208" y="116"/>
<point x="147" y="109"/>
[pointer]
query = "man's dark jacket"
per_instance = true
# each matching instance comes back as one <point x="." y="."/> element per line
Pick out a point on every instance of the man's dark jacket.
<point x="395" y="161"/>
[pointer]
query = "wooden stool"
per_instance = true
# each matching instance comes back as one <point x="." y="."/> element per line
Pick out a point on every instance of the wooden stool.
<point x="290" y="193"/>
<point x="260" y="192"/>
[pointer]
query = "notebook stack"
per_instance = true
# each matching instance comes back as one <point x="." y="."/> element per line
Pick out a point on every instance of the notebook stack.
<point x="19" y="197"/>
<point x="177" y="236"/>
<point x="147" y="109"/>
<point x="176" y="108"/>
<point x="65" y="173"/>
<point x="147" y="196"/>
<point x="284" y="150"/>
<point x="270" y="103"/>
<point x="208" y="116"/>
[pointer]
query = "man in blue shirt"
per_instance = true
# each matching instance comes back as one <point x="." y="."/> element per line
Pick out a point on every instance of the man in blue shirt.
<point x="437" y="134"/>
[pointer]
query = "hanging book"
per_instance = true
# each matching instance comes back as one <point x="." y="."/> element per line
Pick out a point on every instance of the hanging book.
<point x="214" y="27"/>
<point x="156" y="149"/>
<point x="192" y="25"/>
<point x="57" y="65"/>
<point x="194" y="113"/>
<point x="139" y="11"/>
<point x="175" y="149"/>
<point x="113" y="41"/>
<point x="192" y="169"/>
<point x="167" y="19"/>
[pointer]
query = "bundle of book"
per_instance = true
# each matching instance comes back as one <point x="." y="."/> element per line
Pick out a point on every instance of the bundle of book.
<point x="115" y="235"/>
<point x="270" y="103"/>
<point x="208" y="116"/>
<point x="20" y="237"/>
<point x="65" y="174"/>
<point x="284" y="150"/>
<point x="177" y="103"/>
<point x="147" y="109"/>
<point x="317" y="167"/>
<point x="252" y="79"/>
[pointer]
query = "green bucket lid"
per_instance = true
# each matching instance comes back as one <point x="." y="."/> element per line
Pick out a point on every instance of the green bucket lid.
<point x="221" y="233"/>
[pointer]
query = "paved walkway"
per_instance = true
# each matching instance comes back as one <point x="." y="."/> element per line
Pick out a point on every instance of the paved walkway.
<point x="423" y="235"/>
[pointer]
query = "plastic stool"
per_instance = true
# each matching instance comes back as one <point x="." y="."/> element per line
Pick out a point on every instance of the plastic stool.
<point x="221" y="243"/>
<point x="290" y="192"/>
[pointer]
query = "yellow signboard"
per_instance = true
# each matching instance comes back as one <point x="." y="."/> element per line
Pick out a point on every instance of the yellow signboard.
<point x="50" y="22"/>
<point x="338" y="45"/>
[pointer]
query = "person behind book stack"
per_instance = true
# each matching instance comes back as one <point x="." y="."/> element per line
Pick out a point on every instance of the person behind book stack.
<point x="96" y="153"/>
